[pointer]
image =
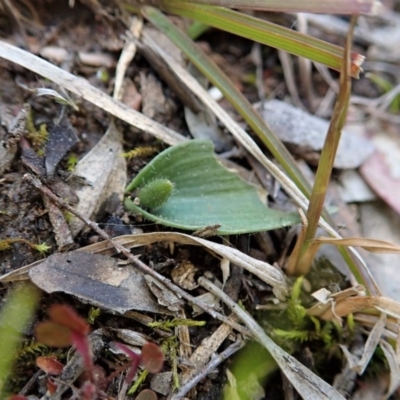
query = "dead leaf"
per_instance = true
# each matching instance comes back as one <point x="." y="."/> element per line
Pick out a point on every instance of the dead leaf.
<point x="97" y="280"/>
<point x="308" y="132"/>
<point x="102" y="172"/>
<point x="61" y="139"/>
<point x="372" y="342"/>
<point x="394" y="367"/>
<point x="264" y="271"/>
<point x="184" y="275"/>
<point x="382" y="172"/>
<point x="164" y="296"/>
<point x="372" y="245"/>
<point x="328" y="301"/>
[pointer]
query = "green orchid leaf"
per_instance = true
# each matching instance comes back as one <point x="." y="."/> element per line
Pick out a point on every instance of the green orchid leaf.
<point x="204" y="193"/>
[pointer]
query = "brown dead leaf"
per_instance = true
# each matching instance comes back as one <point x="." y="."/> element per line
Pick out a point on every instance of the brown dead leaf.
<point x="184" y="275"/>
<point x="97" y="280"/>
<point x="164" y="296"/>
<point x="102" y="172"/>
<point x="372" y="245"/>
<point x="334" y="308"/>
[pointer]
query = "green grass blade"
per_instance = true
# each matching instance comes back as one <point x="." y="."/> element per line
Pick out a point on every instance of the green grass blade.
<point x="16" y="314"/>
<point x="266" y="33"/>
<point x="313" y="6"/>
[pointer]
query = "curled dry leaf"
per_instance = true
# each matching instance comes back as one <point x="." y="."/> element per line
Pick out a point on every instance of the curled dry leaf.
<point x="372" y="245"/>
<point x="41" y="272"/>
<point x="335" y="306"/>
<point x="266" y="272"/>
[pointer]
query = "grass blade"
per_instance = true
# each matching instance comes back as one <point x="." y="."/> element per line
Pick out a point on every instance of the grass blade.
<point x="266" y="33"/>
<point x="313" y="6"/>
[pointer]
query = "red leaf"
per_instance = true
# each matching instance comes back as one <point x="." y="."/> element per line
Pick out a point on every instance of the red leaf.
<point x="146" y="394"/>
<point x="53" y="334"/>
<point x="152" y="357"/>
<point x="50" y="365"/>
<point x="17" y="397"/>
<point x="66" y="316"/>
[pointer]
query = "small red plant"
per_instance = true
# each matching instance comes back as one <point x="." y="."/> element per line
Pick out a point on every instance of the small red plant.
<point x="51" y="366"/>
<point x="66" y="328"/>
<point x="151" y="357"/>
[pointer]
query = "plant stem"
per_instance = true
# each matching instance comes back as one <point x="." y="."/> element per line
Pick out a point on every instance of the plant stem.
<point x="328" y="154"/>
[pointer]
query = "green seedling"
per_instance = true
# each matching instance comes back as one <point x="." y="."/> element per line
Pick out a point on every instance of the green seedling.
<point x="94" y="312"/>
<point x="187" y="188"/>
<point x="72" y="160"/>
<point x="5" y="244"/>
<point x="38" y="137"/>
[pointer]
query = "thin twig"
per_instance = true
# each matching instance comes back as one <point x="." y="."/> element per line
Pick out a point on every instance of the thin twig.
<point x="215" y="361"/>
<point x="135" y="260"/>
